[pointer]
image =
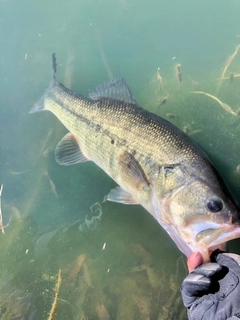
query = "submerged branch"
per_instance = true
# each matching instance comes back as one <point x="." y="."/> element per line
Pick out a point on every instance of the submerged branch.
<point x="227" y="65"/>
<point x="54" y="305"/>
<point x="1" y="223"/>
<point x="225" y="106"/>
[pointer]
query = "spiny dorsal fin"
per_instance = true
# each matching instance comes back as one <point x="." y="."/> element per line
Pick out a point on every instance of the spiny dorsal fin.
<point x="54" y="65"/>
<point x="114" y="89"/>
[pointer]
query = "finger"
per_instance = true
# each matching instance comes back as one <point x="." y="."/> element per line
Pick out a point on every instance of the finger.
<point x="215" y="254"/>
<point x="208" y="270"/>
<point x="194" y="260"/>
<point x="230" y="260"/>
<point x="193" y="286"/>
<point x="194" y="283"/>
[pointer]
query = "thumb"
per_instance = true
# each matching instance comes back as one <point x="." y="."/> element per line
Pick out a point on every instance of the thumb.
<point x="194" y="260"/>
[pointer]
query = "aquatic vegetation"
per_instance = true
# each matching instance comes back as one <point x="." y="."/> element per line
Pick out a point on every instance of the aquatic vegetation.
<point x="78" y="276"/>
<point x="130" y="278"/>
<point x="1" y="222"/>
<point x="227" y="65"/>
<point x="178" y="72"/>
<point x="160" y="80"/>
<point x="115" y="264"/>
<point x="68" y="74"/>
<point x="54" y="305"/>
<point x="15" y="303"/>
<point x="225" y="106"/>
<point x="52" y="185"/>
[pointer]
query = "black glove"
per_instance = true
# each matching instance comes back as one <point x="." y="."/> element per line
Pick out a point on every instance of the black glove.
<point x="212" y="291"/>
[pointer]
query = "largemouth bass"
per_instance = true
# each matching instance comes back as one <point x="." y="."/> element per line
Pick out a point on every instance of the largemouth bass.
<point x="153" y="162"/>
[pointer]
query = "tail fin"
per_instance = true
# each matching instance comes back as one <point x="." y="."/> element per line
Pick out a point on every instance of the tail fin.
<point x="40" y="104"/>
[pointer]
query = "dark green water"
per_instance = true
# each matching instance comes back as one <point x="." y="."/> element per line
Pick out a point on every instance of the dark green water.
<point x="127" y="268"/>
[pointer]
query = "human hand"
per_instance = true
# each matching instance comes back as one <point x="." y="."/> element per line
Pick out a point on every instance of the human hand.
<point x="212" y="290"/>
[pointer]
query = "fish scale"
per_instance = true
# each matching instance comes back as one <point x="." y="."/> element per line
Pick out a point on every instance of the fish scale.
<point x="153" y="162"/>
<point x="123" y="120"/>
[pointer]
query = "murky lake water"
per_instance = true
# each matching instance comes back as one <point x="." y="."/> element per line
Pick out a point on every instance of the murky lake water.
<point x="126" y="266"/>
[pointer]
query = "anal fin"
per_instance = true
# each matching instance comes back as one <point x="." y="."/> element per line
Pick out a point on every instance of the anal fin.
<point x="68" y="151"/>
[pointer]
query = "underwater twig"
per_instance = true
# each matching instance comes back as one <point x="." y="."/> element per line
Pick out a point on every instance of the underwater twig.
<point x="52" y="185"/>
<point x="170" y="115"/>
<point x="69" y="71"/>
<point x="231" y="77"/>
<point x="44" y="146"/>
<point x="162" y="101"/>
<point x="1" y="223"/>
<point x="161" y="89"/>
<point x="77" y="266"/>
<point x="227" y="65"/>
<point x="232" y="74"/>
<point x="178" y="73"/>
<point x="160" y="79"/>
<point x="225" y="106"/>
<point x="103" y="55"/>
<point x="54" y="305"/>
<point x="186" y="129"/>
<point x="195" y="131"/>
<point x="238" y="112"/>
<point x="40" y="154"/>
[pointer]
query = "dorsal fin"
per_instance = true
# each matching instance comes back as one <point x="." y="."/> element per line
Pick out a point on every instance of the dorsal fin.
<point x="114" y="89"/>
<point x="54" y="65"/>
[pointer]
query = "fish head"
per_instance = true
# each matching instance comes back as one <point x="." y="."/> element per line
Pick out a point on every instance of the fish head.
<point x="194" y="206"/>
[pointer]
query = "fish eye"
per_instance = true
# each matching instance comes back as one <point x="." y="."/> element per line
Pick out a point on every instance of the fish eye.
<point x="215" y="205"/>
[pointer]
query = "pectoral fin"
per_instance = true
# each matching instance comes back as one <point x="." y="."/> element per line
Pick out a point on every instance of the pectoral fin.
<point x="68" y="151"/>
<point x="133" y="176"/>
<point x="119" y="195"/>
<point x="131" y="171"/>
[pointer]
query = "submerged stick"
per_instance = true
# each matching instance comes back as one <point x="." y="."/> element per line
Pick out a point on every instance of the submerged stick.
<point x="54" y="305"/>
<point x="195" y="131"/>
<point x="162" y="101"/>
<point x="231" y="77"/>
<point x="103" y="55"/>
<point x="225" y="106"/>
<point x="178" y="73"/>
<point x="44" y="145"/>
<point x="160" y="79"/>
<point x="69" y="71"/>
<point x="1" y="223"/>
<point x="227" y="65"/>
<point x="238" y="112"/>
<point x="52" y="185"/>
<point x="40" y="154"/>
<point x="235" y="75"/>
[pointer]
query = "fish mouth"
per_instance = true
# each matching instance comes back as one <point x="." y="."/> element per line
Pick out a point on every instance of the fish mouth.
<point x="211" y="239"/>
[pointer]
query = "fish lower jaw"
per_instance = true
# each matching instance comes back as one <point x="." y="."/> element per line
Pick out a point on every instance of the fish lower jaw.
<point x="206" y="252"/>
<point x="219" y="242"/>
<point x="220" y="246"/>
